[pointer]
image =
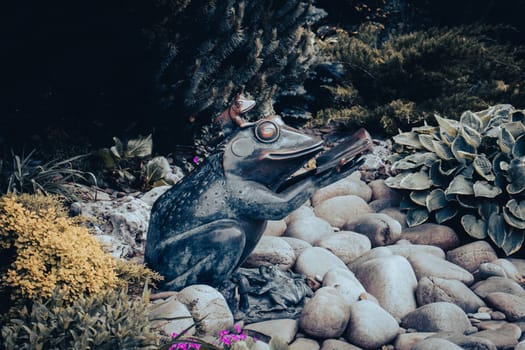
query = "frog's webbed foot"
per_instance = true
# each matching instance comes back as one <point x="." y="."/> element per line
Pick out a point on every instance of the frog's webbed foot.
<point x="207" y="254"/>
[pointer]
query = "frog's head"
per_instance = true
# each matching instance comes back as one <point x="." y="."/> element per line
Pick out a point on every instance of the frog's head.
<point x="268" y="151"/>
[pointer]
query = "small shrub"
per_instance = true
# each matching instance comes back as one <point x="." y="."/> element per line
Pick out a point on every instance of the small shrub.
<point x="395" y="81"/>
<point x="106" y="320"/>
<point x="28" y="175"/>
<point x="42" y="249"/>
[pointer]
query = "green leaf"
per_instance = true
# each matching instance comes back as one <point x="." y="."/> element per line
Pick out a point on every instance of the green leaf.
<point x="513" y="241"/>
<point x="496" y="229"/>
<point x="416" y="217"/>
<point x="476" y="228"/>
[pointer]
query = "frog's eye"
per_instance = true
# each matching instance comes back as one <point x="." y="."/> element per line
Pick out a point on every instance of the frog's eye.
<point x="267" y="131"/>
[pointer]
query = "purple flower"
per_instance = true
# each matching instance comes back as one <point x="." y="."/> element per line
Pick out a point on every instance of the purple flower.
<point x="196" y="160"/>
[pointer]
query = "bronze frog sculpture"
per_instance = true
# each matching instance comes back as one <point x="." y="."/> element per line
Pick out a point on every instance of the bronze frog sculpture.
<point x="204" y="228"/>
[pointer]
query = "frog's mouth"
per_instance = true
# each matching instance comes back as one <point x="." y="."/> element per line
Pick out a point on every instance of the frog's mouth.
<point x="294" y="154"/>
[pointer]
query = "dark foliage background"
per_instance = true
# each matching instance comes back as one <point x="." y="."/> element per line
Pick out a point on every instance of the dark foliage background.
<point x="74" y="74"/>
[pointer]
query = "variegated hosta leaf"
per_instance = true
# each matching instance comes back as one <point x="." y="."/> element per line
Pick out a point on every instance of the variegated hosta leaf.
<point x="419" y="197"/>
<point x="516" y="176"/>
<point x="496" y="229"/>
<point x="499" y="173"/>
<point x="471" y="136"/>
<point x="483" y="167"/>
<point x="512" y="220"/>
<point x="415" y="181"/>
<point x="403" y="164"/>
<point x="425" y="129"/>
<point x="518" y="116"/>
<point x="442" y="150"/>
<point x="438" y="178"/>
<point x="407" y="204"/>
<point x="467" y="201"/>
<point x="461" y="150"/>
<point x="436" y="199"/>
<point x="476" y="228"/>
<point x="395" y="182"/>
<point x="446" y="138"/>
<point x="505" y="140"/>
<point x="449" y="126"/>
<point x="445" y="214"/>
<point x="485" y="189"/>
<point x="513" y="240"/>
<point x="416" y="217"/>
<point x="514" y="128"/>
<point x="426" y="141"/>
<point x="518" y="150"/>
<point x="422" y="158"/>
<point x="486" y="208"/>
<point x="408" y="139"/>
<point x="471" y="120"/>
<point x="517" y="208"/>
<point x="460" y="185"/>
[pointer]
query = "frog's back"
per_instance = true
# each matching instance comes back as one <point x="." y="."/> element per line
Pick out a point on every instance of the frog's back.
<point x="197" y="199"/>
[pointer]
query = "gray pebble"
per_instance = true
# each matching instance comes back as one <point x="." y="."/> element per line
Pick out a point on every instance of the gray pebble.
<point x="435" y="289"/>
<point x="471" y="255"/>
<point x="437" y="317"/>
<point x="370" y="326"/>
<point x="392" y="281"/>
<point x="427" y="265"/>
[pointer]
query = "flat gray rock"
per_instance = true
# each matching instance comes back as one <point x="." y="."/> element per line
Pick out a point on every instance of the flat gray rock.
<point x="437" y="317"/>
<point x="284" y="329"/>
<point x="346" y="245"/>
<point x="432" y="234"/>
<point x="208" y="305"/>
<point x="350" y="185"/>
<point x="325" y="315"/>
<point x="435" y="344"/>
<point x="298" y="245"/>
<point x="380" y="191"/>
<point x="467" y="342"/>
<point x="339" y="210"/>
<point x="408" y="249"/>
<point x="498" y="284"/>
<point x="304" y="225"/>
<point x="435" y="289"/>
<point x="370" y="326"/>
<point x="471" y="255"/>
<point x="406" y="341"/>
<point x="334" y="344"/>
<point x="167" y="314"/>
<point x="504" y="337"/>
<point x="396" y="214"/>
<point x="346" y="284"/>
<point x="377" y="252"/>
<point x="271" y="250"/>
<point x="275" y="228"/>
<point x="304" y="344"/>
<point x="316" y="261"/>
<point x="428" y="265"/>
<point x="512" y="306"/>
<point x="381" y="229"/>
<point x="392" y="281"/>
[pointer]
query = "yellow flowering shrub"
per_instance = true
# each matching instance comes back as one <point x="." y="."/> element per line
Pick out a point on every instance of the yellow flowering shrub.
<point x="42" y="249"/>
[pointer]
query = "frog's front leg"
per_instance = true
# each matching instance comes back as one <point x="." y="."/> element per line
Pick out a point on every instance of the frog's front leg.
<point x="259" y="202"/>
<point x="207" y="254"/>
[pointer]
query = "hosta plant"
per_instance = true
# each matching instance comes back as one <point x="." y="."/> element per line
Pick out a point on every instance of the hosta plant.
<point x="471" y="170"/>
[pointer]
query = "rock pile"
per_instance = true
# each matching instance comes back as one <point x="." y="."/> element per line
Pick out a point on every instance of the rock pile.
<point x="379" y="283"/>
